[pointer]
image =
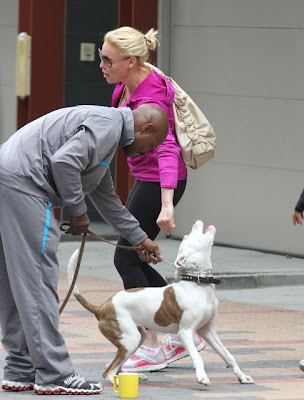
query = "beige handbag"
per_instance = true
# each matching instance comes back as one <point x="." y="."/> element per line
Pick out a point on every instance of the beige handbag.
<point x="195" y="135"/>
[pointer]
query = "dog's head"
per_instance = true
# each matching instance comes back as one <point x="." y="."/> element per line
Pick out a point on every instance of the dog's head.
<point x="194" y="253"/>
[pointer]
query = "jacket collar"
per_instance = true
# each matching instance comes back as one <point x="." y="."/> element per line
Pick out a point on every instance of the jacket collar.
<point x="127" y="133"/>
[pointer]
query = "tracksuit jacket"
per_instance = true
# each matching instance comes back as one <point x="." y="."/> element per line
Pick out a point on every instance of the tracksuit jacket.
<point x="65" y="155"/>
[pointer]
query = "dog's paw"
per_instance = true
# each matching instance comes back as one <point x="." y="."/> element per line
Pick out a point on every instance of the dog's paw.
<point x="142" y="377"/>
<point x="204" y="380"/>
<point x="246" y="379"/>
<point x="109" y="378"/>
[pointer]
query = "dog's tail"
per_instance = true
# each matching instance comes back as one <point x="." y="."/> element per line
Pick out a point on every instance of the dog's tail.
<point x="71" y="266"/>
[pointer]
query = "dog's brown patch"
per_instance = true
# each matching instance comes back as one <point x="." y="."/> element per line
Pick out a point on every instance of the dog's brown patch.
<point x="109" y="327"/>
<point x="137" y="289"/>
<point x="108" y="323"/>
<point x="169" y="311"/>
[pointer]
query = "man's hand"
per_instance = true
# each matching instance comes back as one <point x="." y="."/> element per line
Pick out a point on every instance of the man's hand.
<point x="297" y="218"/>
<point x="79" y="225"/>
<point x="151" y="252"/>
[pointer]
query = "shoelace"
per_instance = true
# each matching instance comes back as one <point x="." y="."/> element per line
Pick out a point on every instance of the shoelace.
<point x="167" y="340"/>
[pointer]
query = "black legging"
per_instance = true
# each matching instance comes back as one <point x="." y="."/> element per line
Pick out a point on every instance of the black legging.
<point x="144" y="202"/>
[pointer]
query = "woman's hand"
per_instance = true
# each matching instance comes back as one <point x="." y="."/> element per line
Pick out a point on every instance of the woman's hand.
<point x="165" y="220"/>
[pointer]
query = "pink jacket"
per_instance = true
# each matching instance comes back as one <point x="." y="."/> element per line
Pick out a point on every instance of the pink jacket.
<point x="165" y="163"/>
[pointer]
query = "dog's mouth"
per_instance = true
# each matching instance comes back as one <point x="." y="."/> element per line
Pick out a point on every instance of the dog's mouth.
<point x="180" y="263"/>
<point x="209" y="229"/>
<point x="198" y="224"/>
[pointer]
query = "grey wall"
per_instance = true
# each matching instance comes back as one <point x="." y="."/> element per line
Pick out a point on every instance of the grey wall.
<point x="8" y="38"/>
<point x="243" y="62"/>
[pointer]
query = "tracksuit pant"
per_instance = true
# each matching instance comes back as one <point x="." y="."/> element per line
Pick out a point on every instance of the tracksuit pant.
<point x="29" y="304"/>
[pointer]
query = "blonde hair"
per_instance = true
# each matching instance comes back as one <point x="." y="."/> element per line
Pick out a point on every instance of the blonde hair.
<point x="132" y="43"/>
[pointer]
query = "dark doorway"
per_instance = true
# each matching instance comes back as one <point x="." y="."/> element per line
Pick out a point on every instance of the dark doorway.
<point x="86" y="23"/>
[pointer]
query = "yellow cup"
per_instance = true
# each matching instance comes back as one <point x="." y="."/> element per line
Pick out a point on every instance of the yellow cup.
<point x="126" y="384"/>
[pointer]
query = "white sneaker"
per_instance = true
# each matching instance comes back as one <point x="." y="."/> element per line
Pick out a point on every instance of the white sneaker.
<point x="174" y="350"/>
<point x="301" y="365"/>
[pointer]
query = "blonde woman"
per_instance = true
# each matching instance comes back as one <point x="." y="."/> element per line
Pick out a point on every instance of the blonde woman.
<point x="160" y="175"/>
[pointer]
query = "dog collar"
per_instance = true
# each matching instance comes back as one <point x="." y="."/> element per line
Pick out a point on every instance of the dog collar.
<point x="200" y="279"/>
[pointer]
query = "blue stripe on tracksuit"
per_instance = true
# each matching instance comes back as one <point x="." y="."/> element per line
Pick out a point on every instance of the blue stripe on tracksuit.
<point x="104" y="163"/>
<point x="46" y="226"/>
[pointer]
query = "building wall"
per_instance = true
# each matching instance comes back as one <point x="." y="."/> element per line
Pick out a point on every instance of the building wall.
<point x="243" y="62"/>
<point x="8" y="37"/>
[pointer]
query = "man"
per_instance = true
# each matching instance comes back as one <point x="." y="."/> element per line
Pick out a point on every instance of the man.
<point x="297" y="218"/>
<point x="55" y="161"/>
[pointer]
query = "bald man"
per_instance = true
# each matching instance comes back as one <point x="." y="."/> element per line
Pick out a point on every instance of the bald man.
<point x="55" y="161"/>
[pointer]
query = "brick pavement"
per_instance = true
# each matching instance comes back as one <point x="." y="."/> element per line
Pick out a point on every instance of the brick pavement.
<point x="267" y="342"/>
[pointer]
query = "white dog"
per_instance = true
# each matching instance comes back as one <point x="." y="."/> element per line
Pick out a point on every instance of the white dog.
<point x="183" y="307"/>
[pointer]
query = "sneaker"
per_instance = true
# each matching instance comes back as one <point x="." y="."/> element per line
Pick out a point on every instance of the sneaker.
<point x="74" y="384"/>
<point x="145" y="359"/>
<point x="174" y="350"/>
<point x="17" y="386"/>
<point x="301" y="365"/>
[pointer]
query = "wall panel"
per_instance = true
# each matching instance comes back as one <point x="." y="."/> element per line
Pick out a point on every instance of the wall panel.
<point x="240" y="61"/>
<point x="242" y="13"/>
<point x="243" y="61"/>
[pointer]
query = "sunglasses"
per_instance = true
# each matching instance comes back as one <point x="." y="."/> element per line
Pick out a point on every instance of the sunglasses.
<point x="108" y="61"/>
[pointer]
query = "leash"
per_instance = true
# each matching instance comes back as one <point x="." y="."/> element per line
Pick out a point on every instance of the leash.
<point x="64" y="228"/>
<point x="94" y="235"/>
<point x="84" y="236"/>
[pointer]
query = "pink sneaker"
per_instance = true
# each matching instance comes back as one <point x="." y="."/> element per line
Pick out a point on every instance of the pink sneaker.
<point x="174" y="350"/>
<point x="145" y="360"/>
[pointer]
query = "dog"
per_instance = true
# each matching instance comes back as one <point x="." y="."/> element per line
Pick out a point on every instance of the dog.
<point x="182" y="307"/>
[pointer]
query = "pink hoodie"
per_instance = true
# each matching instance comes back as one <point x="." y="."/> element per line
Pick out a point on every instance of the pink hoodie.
<point x="165" y="163"/>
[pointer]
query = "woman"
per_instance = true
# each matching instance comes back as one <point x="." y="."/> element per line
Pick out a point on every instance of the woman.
<point x="160" y="175"/>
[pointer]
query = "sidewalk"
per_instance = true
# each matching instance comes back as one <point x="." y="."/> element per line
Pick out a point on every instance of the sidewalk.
<point x="261" y="326"/>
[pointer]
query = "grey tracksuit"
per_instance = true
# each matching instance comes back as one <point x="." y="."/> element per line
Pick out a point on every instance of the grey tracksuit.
<point x="53" y="161"/>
